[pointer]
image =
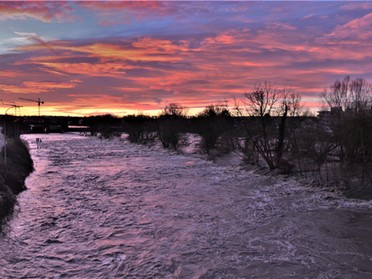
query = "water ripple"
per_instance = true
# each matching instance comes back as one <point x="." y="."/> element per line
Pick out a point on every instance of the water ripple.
<point x="110" y="209"/>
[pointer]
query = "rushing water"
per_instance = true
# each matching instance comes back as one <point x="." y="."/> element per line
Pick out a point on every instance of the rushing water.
<point x="110" y="209"/>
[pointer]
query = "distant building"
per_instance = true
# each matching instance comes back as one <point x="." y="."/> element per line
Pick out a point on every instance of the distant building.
<point x="328" y="118"/>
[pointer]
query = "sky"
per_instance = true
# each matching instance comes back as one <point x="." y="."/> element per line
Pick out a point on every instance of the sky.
<point x="129" y="57"/>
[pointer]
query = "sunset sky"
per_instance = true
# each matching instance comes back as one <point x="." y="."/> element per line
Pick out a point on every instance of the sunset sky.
<point x="122" y="57"/>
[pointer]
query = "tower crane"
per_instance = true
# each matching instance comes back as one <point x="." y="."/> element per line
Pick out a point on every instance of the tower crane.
<point x="38" y="101"/>
<point x="12" y="106"/>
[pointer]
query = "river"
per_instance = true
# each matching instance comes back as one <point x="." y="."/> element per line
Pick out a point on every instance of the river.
<point x="110" y="209"/>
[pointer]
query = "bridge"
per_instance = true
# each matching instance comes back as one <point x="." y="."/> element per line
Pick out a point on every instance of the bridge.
<point x="13" y="126"/>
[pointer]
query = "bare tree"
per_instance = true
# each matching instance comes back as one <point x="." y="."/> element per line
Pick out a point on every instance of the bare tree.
<point x="262" y="130"/>
<point x="348" y="94"/>
<point x="293" y="102"/>
<point x="174" y="109"/>
<point x="262" y="99"/>
<point x="351" y="130"/>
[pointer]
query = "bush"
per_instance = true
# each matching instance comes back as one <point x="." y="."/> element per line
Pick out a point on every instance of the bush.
<point x="139" y="128"/>
<point x="171" y="125"/>
<point x="170" y="131"/>
<point x="13" y="174"/>
<point x="19" y="165"/>
<point x="213" y="126"/>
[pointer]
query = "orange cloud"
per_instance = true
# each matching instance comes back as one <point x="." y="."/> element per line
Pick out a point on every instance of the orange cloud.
<point x="103" y="103"/>
<point x="10" y="74"/>
<point x="143" y="50"/>
<point x="33" y="87"/>
<point x="88" y="69"/>
<point x="223" y="38"/>
<point x="156" y="46"/>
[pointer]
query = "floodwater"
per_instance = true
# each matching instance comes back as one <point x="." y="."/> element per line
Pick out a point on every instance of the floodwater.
<point x="110" y="209"/>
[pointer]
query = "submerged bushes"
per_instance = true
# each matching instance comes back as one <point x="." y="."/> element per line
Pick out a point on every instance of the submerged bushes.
<point x="213" y="126"/>
<point x="270" y="128"/>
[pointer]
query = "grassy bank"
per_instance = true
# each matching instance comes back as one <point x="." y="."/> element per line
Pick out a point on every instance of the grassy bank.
<point x="13" y="172"/>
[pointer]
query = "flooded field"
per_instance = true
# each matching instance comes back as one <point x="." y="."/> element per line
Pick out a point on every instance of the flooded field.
<point x="110" y="209"/>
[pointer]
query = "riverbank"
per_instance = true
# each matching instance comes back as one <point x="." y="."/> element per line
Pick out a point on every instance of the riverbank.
<point x="13" y="172"/>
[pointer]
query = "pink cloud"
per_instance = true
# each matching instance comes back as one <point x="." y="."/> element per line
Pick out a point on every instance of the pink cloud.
<point x="356" y="31"/>
<point x="40" y="10"/>
<point x="357" y="6"/>
<point x="138" y="9"/>
<point x="130" y="5"/>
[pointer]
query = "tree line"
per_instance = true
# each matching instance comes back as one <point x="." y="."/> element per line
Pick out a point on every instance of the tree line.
<point x="269" y="127"/>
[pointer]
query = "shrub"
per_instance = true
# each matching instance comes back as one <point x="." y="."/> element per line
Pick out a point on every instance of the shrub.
<point x="213" y="126"/>
<point x="171" y="125"/>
